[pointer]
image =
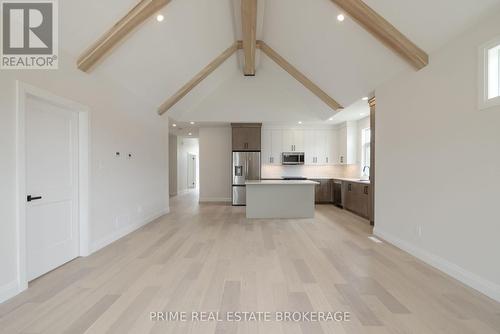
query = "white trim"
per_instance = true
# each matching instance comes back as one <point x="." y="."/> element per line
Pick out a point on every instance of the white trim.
<point x="23" y="90"/>
<point x="9" y="290"/>
<point x="474" y="281"/>
<point x="99" y="244"/>
<point x="214" y="199"/>
<point x="483" y="101"/>
<point x="84" y="181"/>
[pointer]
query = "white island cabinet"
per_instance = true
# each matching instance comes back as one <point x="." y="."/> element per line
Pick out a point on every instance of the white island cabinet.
<point x="271" y="199"/>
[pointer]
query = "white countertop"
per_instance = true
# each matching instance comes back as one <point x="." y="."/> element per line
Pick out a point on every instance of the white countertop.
<point x="340" y="179"/>
<point x="351" y="180"/>
<point x="280" y="182"/>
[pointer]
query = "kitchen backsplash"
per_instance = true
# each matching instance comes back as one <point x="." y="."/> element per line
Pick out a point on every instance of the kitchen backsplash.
<point x="277" y="171"/>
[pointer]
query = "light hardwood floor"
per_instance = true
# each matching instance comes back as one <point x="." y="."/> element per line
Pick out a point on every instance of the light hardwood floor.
<point x="210" y="258"/>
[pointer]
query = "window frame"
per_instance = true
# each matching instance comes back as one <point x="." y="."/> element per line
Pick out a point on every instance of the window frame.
<point x="365" y="146"/>
<point x="484" y="102"/>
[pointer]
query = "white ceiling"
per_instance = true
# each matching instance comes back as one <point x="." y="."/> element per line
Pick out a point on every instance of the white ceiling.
<point x="342" y="58"/>
<point x="356" y="111"/>
<point x="432" y="23"/>
<point x="271" y="96"/>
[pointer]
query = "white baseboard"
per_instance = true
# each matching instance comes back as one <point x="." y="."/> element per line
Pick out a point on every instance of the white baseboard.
<point x="9" y="290"/>
<point x="468" y="278"/>
<point x="126" y="230"/>
<point x="215" y="199"/>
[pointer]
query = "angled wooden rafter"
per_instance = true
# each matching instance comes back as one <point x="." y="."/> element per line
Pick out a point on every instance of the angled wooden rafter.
<point x="238" y="45"/>
<point x="249" y="24"/>
<point x="298" y="75"/>
<point x="384" y="32"/>
<point x="205" y="72"/>
<point x="136" y="16"/>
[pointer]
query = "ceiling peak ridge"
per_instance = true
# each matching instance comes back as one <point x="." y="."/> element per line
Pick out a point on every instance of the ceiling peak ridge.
<point x="266" y="49"/>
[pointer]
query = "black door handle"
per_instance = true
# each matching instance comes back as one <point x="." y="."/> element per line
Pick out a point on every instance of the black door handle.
<point x="31" y="198"/>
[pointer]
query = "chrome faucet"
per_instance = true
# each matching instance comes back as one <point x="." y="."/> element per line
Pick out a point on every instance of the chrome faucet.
<point x="364" y="169"/>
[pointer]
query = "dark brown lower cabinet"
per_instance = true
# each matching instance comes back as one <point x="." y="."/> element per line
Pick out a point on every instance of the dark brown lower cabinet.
<point x="357" y="198"/>
<point x="323" y="191"/>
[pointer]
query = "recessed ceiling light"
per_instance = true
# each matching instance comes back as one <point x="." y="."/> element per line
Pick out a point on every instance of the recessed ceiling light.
<point x="300" y="122"/>
<point x="190" y="134"/>
<point x="192" y="123"/>
<point x="331" y="119"/>
<point x="365" y="98"/>
<point x="174" y="125"/>
<point x="160" y="18"/>
<point x="340" y="17"/>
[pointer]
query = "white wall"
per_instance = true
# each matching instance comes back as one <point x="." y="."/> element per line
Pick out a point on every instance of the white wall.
<point x="172" y="159"/>
<point x="271" y="96"/>
<point x="186" y="146"/>
<point x="124" y="193"/>
<point x="438" y="164"/>
<point x="215" y="164"/>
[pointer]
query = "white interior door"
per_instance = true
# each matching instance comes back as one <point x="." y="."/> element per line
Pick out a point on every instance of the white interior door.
<point x="52" y="235"/>
<point x="191" y="171"/>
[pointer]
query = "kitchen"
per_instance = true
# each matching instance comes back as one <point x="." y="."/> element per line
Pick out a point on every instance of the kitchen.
<point x="323" y="163"/>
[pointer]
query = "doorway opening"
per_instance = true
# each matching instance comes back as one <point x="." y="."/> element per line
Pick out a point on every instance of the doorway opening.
<point x="52" y="182"/>
<point x="188" y="149"/>
<point x="184" y="168"/>
<point x="192" y="163"/>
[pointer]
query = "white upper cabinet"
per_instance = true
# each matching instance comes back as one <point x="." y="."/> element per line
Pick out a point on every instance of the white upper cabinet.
<point x="320" y="146"/>
<point x="272" y="146"/>
<point x="326" y="146"/>
<point x="276" y="146"/>
<point x="293" y="140"/>
<point x="315" y="144"/>
<point x="309" y="149"/>
<point x="332" y="149"/>
<point x="266" y="149"/>
<point x="346" y="138"/>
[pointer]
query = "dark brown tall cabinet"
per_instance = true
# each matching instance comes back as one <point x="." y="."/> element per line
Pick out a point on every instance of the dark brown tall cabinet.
<point x="357" y="198"/>
<point x="246" y="136"/>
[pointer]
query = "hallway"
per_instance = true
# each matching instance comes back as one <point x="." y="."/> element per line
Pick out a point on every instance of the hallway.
<point x="208" y="257"/>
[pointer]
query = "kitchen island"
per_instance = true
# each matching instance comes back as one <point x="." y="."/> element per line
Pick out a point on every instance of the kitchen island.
<point x="271" y="199"/>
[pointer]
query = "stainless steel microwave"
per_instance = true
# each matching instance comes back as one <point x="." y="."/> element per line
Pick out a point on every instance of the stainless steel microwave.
<point x="292" y="158"/>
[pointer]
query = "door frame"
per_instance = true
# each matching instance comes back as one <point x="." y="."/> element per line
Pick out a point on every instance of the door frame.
<point x="23" y="92"/>
<point x="195" y="171"/>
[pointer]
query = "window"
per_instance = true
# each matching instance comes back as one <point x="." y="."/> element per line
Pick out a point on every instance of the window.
<point x="493" y="72"/>
<point x="490" y="75"/>
<point x="365" y="151"/>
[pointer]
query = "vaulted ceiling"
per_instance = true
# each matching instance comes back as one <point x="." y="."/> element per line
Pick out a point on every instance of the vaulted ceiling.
<point x="343" y="59"/>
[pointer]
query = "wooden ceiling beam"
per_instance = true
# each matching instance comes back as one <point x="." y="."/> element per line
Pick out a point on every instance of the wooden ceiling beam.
<point x="249" y="24"/>
<point x="384" y="32"/>
<point x="298" y="75"/>
<point x="205" y="72"/>
<point x="140" y="13"/>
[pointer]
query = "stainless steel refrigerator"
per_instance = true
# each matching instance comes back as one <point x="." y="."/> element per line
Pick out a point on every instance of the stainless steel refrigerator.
<point x="246" y="166"/>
